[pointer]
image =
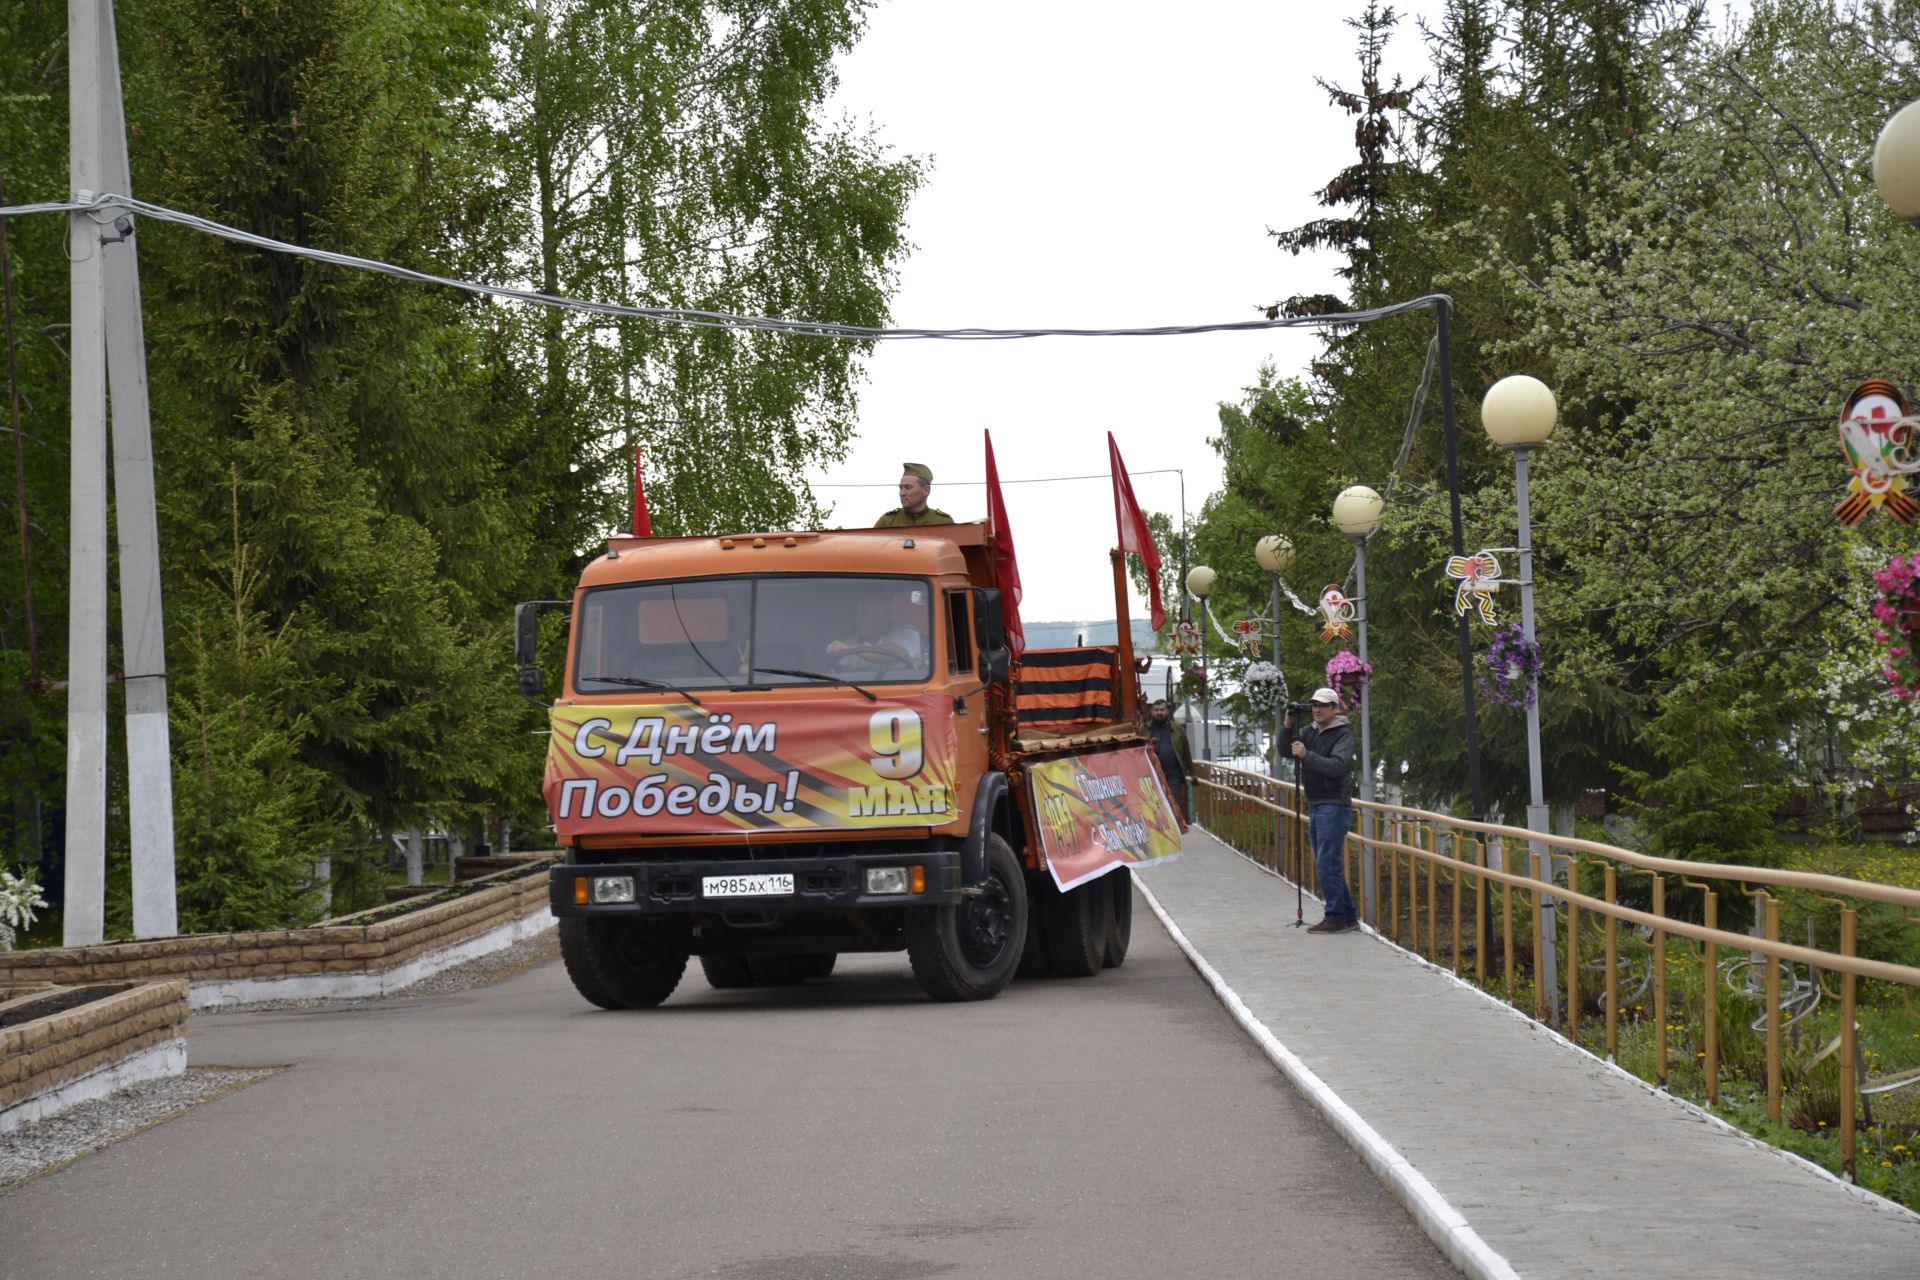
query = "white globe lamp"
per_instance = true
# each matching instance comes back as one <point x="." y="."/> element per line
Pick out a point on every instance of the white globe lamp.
<point x="1274" y="552"/>
<point x="1356" y="512"/>
<point x="1519" y="412"/>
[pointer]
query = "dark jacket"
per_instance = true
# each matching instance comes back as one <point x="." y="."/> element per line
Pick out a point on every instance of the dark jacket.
<point x="1328" y="764"/>
<point x="1169" y="742"/>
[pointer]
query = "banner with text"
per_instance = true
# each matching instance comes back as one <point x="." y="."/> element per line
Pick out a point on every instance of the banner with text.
<point x="778" y="765"/>
<point x="1102" y="810"/>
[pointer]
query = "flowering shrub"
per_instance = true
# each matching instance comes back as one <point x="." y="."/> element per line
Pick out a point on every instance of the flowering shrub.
<point x="1513" y="669"/>
<point x="1897" y="611"/>
<point x="1346" y="673"/>
<point x="20" y="903"/>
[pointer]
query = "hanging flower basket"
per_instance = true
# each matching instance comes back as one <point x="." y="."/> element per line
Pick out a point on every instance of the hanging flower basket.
<point x="1265" y="688"/>
<point x="1346" y="673"/>
<point x="1512" y="678"/>
<point x="1897" y="611"/>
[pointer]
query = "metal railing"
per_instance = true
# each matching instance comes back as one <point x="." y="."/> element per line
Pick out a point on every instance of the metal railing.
<point x="1468" y="896"/>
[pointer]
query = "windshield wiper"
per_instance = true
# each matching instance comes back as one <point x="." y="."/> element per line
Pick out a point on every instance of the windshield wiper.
<point x="639" y="683"/>
<point x="820" y="676"/>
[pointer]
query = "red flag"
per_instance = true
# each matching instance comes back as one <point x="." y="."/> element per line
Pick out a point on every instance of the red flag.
<point x="642" y="520"/>
<point x="1006" y="570"/>
<point x="1135" y="537"/>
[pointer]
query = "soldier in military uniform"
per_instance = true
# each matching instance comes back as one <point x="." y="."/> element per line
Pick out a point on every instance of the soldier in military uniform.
<point x="916" y="482"/>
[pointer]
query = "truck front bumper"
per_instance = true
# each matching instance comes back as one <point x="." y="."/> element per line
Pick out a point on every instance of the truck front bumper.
<point x="830" y="882"/>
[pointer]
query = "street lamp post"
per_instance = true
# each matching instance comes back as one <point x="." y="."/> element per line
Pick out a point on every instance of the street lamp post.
<point x="1518" y="414"/>
<point x="1275" y="554"/>
<point x="1356" y="512"/>
<point x="1200" y="580"/>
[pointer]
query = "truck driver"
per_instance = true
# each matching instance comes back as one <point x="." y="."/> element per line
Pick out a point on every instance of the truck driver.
<point x="875" y="644"/>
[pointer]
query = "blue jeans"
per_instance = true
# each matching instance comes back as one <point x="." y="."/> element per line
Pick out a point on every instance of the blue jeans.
<point x="1327" y="826"/>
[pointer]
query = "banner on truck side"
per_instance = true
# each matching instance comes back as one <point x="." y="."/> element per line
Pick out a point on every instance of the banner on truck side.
<point x="1102" y="810"/>
<point x="677" y="769"/>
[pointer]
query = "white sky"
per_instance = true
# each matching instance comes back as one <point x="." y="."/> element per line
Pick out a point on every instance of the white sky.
<point x="1094" y="164"/>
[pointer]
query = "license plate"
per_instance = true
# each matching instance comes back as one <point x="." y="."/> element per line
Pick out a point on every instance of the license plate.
<point x="767" y="886"/>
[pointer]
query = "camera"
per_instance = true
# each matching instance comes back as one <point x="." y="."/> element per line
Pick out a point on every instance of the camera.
<point x="1300" y="710"/>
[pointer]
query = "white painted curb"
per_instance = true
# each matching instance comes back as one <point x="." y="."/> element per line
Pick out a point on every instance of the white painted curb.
<point x="1439" y="1219"/>
<point x="168" y="1059"/>
<point x="350" y="986"/>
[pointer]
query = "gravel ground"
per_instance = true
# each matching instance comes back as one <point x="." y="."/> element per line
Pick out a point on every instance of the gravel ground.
<point x="33" y="1149"/>
<point x="36" y="1148"/>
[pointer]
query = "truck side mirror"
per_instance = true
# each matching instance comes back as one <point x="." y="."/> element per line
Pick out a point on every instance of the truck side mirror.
<point x="526" y="646"/>
<point x="994" y="664"/>
<point x="526" y="633"/>
<point x="989" y="619"/>
<point x="990" y="634"/>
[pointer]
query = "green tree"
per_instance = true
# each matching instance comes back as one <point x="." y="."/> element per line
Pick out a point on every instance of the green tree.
<point x="676" y="155"/>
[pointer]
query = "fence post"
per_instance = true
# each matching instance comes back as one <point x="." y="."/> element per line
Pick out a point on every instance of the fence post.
<point x="1849" y="1046"/>
<point x="1660" y="983"/>
<point x="1773" y="1010"/>
<point x="1573" y="951"/>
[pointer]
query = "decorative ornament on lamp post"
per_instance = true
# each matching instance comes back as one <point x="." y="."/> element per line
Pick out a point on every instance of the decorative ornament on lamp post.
<point x="1519" y="413"/>
<point x="1356" y="513"/>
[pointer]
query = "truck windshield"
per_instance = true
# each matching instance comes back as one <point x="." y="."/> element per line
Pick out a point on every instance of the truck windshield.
<point x="703" y="633"/>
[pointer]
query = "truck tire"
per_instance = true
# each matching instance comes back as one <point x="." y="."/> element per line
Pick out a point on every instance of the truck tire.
<point x="727" y="973"/>
<point x="1033" y="956"/>
<point x="1076" y="930"/>
<point x="791" y="971"/>
<point x="622" y="964"/>
<point x="969" y="951"/>
<point x="1119" y="929"/>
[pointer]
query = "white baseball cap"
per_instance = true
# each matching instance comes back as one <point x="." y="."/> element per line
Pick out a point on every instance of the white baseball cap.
<point x="1325" y="695"/>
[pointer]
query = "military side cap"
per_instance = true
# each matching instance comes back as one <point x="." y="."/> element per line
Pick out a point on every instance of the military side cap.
<point x="919" y="469"/>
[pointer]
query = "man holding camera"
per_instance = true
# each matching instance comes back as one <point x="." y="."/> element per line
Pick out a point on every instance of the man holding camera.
<point x="1324" y="750"/>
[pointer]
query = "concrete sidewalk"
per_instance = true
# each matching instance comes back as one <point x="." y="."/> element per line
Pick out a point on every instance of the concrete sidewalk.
<point x="1560" y="1164"/>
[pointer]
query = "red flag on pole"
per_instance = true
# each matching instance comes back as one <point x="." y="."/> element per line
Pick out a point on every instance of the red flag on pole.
<point x="1006" y="570"/>
<point x="1135" y="537"/>
<point x="642" y="519"/>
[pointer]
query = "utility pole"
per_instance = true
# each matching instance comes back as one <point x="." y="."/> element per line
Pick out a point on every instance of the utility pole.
<point x="109" y="354"/>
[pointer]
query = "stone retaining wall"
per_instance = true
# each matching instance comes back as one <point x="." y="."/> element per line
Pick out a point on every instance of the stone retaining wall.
<point x="341" y="948"/>
<point x="43" y="1055"/>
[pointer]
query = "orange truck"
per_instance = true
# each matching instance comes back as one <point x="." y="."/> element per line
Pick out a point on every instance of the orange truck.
<point x="772" y="749"/>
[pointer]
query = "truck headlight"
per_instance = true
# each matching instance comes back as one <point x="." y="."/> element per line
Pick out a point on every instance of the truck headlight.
<point x="613" y="889"/>
<point x="883" y="880"/>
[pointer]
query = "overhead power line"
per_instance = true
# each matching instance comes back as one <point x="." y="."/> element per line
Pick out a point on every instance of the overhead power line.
<point x="112" y="205"/>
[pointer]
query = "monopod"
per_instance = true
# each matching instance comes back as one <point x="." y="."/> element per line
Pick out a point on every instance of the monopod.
<point x="1299" y="834"/>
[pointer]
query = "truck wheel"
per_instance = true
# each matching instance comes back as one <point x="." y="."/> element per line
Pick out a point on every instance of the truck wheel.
<point x="1033" y="956"/>
<point x="1119" y="929"/>
<point x="969" y="951"/>
<point x="791" y="971"/>
<point x="727" y="973"/>
<point x="1076" y="930"/>
<point x="622" y="964"/>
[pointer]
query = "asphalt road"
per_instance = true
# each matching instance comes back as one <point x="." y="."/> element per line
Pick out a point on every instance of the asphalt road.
<point x="1117" y="1127"/>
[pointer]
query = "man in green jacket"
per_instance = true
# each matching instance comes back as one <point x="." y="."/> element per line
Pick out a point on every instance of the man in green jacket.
<point x="916" y="482"/>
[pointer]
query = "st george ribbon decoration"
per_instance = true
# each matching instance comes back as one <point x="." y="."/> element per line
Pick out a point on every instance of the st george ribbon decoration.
<point x="1877" y="432"/>
<point x="1479" y="576"/>
<point x="1337" y="610"/>
<point x="1185" y="640"/>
